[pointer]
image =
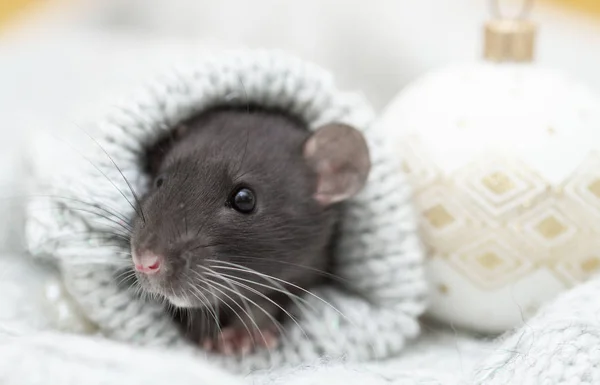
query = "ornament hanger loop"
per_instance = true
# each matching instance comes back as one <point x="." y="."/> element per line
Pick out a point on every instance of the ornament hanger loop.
<point x="523" y="13"/>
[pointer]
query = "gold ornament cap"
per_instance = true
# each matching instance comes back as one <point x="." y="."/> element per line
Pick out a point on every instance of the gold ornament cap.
<point x="509" y="40"/>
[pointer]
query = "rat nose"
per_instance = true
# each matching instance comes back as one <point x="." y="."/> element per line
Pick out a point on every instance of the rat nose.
<point x="147" y="262"/>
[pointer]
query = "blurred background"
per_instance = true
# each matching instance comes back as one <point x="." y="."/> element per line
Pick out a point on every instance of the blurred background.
<point x="60" y="59"/>
<point x="82" y="48"/>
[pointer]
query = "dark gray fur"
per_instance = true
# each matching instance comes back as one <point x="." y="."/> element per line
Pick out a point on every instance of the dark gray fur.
<point x="188" y="219"/>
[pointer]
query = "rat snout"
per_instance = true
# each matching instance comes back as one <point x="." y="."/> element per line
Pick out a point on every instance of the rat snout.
<point x="147" y="262"/>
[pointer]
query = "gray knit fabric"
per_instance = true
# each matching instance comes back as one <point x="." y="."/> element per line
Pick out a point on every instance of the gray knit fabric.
<point x="379" y="254"/>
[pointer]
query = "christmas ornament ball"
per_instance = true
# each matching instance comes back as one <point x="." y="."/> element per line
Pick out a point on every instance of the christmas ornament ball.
<point x="504" y="161"/>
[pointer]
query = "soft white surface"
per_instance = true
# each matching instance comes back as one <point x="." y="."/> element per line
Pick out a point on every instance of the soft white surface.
<point x="560" y="346"/>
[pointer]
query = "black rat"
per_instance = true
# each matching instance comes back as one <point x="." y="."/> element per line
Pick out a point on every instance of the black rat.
<point x="243" y="207"/>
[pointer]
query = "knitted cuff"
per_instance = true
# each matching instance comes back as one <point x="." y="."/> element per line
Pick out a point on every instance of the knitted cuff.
<point x="378" y="254"/>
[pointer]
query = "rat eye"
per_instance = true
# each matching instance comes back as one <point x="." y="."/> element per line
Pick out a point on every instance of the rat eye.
<point x="159" y="181"/>
<point x="243" y="200"/>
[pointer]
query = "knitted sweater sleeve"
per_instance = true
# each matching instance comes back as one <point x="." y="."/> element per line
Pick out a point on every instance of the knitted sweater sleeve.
<point x="379" y="256"/>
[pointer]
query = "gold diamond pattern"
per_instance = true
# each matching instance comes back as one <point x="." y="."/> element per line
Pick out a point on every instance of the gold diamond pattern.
<point x="438" y="216"/>
<point x="590" y="265"/>
<point x="594" y="188"/>
<point x="580" y="265"/>
<point x="550" y="227"/>
<point x="443" y="288"/>
<point x="489" y="260"/>
<point x="583" y="190"/>
<point x="495" y="219"/>
<point x="498" y="187"/>
<point x="498" y="182"/>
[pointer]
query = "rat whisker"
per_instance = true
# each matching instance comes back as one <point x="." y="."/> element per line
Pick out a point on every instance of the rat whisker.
<point x="210" y="283"/>
<point x="101" y="172"/>
<point x="207" y="310"/>
<point x="107" y="209"/>
<point x="124" y="276"/>
<point x="127" y="253"/>
<point x="135" y="290"/>
<point x="170" y="308"/>
<point x="140" y="293"/>
<point x="166" y="304"/>
<point x="211" y="308"/>
<point x="236" y="267"/>
<point x="296" y="265"/>
<point x="124" y="272"/>
<point x="123" y="220"/>
<point x="111" y="242"/>
<point x="112" y="220"/>
<point x="197" y="294"/>
<point x="235" y="290"/>
<point x="108" y="234"/>
<point x="234" y="281"/>
<point x="246" y="269"/>
<point x="75" y="236"/>
<point x="135" y="196"/>
<point x="296" y="299"/>
<point x="245" y="301"/>
<point x="101" y="260"/>
<point x="188" y="316"/>
<point x="114" y="260"/>
<point x="149" y="297"/>
<point x="173" y="310"/>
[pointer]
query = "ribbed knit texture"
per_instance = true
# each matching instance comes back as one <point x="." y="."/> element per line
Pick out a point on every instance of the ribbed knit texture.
<point x="379" y="254"/>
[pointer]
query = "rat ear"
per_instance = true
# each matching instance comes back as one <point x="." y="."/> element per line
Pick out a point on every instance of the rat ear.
<point x="340" y="156"/>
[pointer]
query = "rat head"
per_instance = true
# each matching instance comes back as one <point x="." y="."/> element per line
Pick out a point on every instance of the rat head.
<point x="240" y="197"/>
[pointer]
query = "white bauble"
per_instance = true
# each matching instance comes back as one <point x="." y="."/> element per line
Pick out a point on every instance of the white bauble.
<point x="505" y="164"/>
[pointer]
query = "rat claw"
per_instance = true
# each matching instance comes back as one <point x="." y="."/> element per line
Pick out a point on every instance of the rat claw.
<point x="234" y="341"/>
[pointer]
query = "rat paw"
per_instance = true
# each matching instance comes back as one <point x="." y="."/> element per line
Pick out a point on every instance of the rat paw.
<point x="232" y="341"/>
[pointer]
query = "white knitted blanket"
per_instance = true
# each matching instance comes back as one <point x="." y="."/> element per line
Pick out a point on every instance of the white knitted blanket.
<point x="561" y="345"/>
<point x="378" y="256"/>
